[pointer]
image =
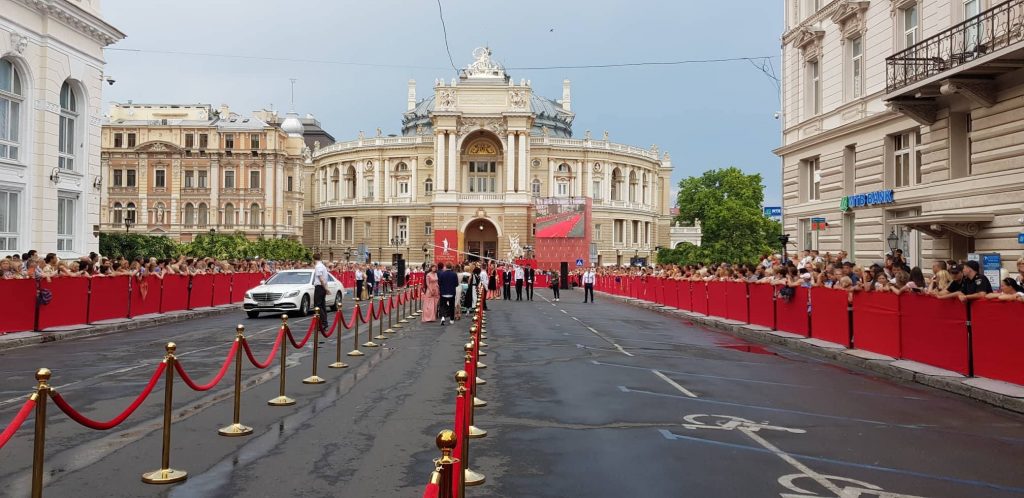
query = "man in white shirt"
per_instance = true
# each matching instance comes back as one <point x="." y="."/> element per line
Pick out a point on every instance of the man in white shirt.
<point x="588" y="284"/>
<point x="378" y="279"/>
<point x="484" y="283"/>
<point x="519" y="282"/>
<point x="320" y="277"/>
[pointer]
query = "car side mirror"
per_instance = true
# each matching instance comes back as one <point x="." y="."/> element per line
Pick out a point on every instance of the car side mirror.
<point x="262" y="282"/>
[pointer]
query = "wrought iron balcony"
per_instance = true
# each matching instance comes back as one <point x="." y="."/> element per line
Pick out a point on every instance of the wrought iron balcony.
<point x="965" y="46"/>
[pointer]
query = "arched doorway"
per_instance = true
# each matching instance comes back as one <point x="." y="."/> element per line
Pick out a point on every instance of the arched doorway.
<point x="481" y="239"/>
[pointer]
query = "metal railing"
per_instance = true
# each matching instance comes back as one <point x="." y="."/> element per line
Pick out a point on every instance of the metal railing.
<point x="985" y="33"/>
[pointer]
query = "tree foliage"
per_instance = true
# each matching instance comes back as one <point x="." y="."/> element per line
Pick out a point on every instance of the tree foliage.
<point x="133" y="246"/>
<point x="728" y="204"/>
<point x="216" y="245"/>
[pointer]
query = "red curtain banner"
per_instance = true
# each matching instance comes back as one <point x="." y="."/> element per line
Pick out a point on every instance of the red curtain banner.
<point x="934" y="332"/>
<point x="737" y="309"/>
<point x="876" y="323"/>
<point x="201" y="293"/>
<point x="762" y="305"/>
<point x="175" y="293"/>
<point x="699" y="297"/>
<point x="718" y="302"/>
<point x="69" y="304"/>
<point x="150" y="303"/>
<point x="791" y="316"/>
<point x="221" y="289"/>
<point x="998" y="341"/>
<point x="830" y="316"/>
<point x="108" y="298"/>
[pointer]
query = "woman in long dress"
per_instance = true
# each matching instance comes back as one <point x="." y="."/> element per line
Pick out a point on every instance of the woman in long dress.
<point x="430" y="295"/>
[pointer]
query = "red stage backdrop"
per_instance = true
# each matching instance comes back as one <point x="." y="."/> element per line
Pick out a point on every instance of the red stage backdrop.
<point x="446" y="246"/>
<point x="563" y="231"/>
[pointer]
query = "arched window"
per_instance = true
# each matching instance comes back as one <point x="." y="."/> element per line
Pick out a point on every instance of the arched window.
<point x="632" y="186"/>
<point x="117" y="214"/>
<point x="204" y="215"/>
<point x="350" y="182"/>
<point x="616" y="184"/>
<point x="254" y="215"/>
<point x="158" y="213"/>
<point x="335" y="192"/>
<point x="428" y="186"/>
<point x="11" y="98"/>
<point x="129" y="212"/>
<point x="229" y="215"/>
<point x="564" y="169"/>
<point x="190" y="215"/>
<point x="68" y="122"/>
<point x="401" y="166"/>
<point x="535" y="187"/>
<point x="643" y="186"/>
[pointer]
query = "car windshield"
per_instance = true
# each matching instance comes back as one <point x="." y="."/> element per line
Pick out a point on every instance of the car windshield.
<point x="290" y="278"/>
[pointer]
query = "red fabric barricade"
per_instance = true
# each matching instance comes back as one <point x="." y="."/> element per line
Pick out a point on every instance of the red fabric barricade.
<point x="685" y="295"/>
<point x="934" y="332"/>
<point x="876" y="322"/>
<point x="19" y="305"/>
<point x="108" y="298"/>
<point x="699" y="297"/>
<point x="718" y="301"/>
<point x="672" y="293"/>
<point x="146" y="295"/>
<point x="762" y="305"/>
<point x="998" y="342"/>
<point x="791" y="316"/>
<point x="221" y="289"/>
<point x="69" y="304"/>
<point x="830" y="317"/>
<point x="659" y="290"/>
<point x="175" y="293"/>
<point x="541" y="282"/>
<point x="240" y="283"/>
<point x="200" y="292"/>
<point x="736" y="295"/>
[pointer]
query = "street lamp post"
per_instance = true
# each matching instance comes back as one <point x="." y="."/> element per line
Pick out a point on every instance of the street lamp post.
<point x="128" y="225"/>
<point x="893" y="240"/>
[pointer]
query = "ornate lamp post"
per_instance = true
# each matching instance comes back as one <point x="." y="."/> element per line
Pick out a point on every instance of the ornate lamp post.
<point x="893" y="241"/>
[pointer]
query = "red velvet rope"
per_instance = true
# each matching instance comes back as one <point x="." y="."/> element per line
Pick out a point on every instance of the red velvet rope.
<point x="114" y="422"/>
<point x="329" y="332"/>
<point x="270" y="357"/>
<point x="369" y="315"/>
<point x="353" y="317"/>
<point x="309" y="333"/>
<point x="216" y="380"/>
<point x="391" y="303"/>
<point x="431" y="491"/>
<point x="19" y="419"/>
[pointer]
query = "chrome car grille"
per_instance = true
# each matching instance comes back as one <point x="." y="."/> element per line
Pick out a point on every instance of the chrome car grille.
<point x="267" y="296"/>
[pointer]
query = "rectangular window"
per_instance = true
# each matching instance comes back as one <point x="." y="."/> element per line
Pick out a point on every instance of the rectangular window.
<point x="403" y="188"/>
<point x="618" y="227"/>
<point x="366" y="230"/>
<point x="596" y="193"/>
<point x="65" y="223"/>
<point x="428" y="228"/>
<point x="129" y="178"/>
<point x="647" y="232"/>
<point x="482" y="177"/>
<point x="635" y="226"/>
<point x="809" y="236"/>
<point x="9" y="204"/>
<point x="204" y="139"/>
<point x="254" y="141"/>
<point x="849" y="234"/>
<point x="563" y="189"/>
<point x="118" y="140"/>
<point x="254" y="179"/>
<point x="190" y="140"/>
<point x="290" y="184"/>
<point x="229" y="179"/>
<point x="906" y="159"/>
<point x="118" y="178"/>
<point x="850" y="169"/>
<point x="597" y="231"/>
<point x="131" y="140"/>
<point x="856" y="68"/>
<point x="229" y="141"/>
<point x="911" y="26"/>
<point x="348" y="228"/>
<point x="201" y="183"/>
<point x="959" y="144"/>
<point x="811" y="181"/>
<point x="369" y="188"/>
<point x="189" y="178"/>
<point x="10" y="110"/>
<point x="288" y="218"/>
<point x="159" y="180"/>
<point x="66" y="143"/>
<point x="814" y="87"/>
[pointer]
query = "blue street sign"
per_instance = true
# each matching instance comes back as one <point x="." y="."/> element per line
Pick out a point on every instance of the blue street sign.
<point x="1020" y="238"/>
<point x="579" y="262"/>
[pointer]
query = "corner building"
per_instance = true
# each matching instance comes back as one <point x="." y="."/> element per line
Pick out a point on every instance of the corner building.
<point x="475" y="159"/>
<point x="902" y="119"/>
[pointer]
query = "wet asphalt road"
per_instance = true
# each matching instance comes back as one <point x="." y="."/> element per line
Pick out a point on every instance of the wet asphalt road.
<point x="584" y="401"/>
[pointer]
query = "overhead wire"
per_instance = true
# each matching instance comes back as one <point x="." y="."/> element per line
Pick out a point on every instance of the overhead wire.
<point x="444" y="29"/>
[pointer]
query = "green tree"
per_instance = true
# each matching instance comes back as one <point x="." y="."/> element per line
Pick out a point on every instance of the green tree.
<point x="728" y="204"/>
<point x="134" y="245"/>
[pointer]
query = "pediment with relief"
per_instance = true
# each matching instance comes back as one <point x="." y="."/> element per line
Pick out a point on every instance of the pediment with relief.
<point x="158" y="146"/>
<point x="851" y="17"/>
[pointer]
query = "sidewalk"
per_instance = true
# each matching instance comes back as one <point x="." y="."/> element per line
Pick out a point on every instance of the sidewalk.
<point x="20" y="339"/>
<point x="1001" y="394"/>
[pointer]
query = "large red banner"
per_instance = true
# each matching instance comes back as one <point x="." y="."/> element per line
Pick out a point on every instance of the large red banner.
<point x="830" y="318"/>
<point x="791" y="315"/>
<point x="876" y="322"/>
<point x="446" y="247"/>
<point x="934" y="332"/>
<point x="998" y="341"/>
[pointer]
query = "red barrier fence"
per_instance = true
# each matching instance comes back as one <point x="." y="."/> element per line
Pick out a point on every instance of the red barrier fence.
<point x="699" y="297"/>
<point x="830" y="318"/>
<point x="737" y="302"/>
<point x="201" y="292"/>
<point x="876" y="323"/>
<point x="762" y="305"/>
<point x="175" y="293"/>
<point x="934" y="332"/>
<point x="108" y="298"/>
<point x="69" y="304"/>
<point x="145" y="296"/>
<point x="792" y="315"/>
<point x="718" y="300"/>
<point x="998" y="341"/>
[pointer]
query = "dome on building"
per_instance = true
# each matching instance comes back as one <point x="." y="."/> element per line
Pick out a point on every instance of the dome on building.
<point x="292" y="125"/>
<point x="547" y="114"/>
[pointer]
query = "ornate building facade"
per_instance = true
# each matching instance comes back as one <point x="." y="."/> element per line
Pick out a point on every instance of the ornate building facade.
<point x="472" y="160"/>
<point x="182" y="170"/>
<point x="51" y="77"/>
<point x="902" y="127"/>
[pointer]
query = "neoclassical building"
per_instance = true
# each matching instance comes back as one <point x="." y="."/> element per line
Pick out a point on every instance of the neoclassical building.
<point x="475" y="159"/>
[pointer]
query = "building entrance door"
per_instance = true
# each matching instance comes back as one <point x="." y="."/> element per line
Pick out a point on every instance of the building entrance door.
<point x="481" y="240"/>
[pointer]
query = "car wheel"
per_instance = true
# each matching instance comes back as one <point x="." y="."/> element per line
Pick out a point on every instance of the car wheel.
<point x="337" y="301"/>
<point x="303" y="307"/>
<point x="253" y="314"/>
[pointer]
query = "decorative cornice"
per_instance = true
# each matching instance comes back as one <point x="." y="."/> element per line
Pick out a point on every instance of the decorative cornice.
<point x="815" y="18"/>
<point x="851" y="16"/>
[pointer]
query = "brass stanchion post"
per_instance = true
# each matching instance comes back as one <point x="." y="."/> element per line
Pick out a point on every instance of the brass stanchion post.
<point x="165" y="474"/>
<point x="355" y="335"/>
<point x="39" y="442"/>
<point x="403" y="314"/>
<point x="391" y="312"/>
<point x="315" y="379"/>
<point x="236" y="428"/>
<point x="380" y="321"/>
<point x="337" y="361"/>
<point x="446" y="441"/>
<point x="369" y="332"/>
<point x="469" y="476"/>
<point x="281" y="399"/>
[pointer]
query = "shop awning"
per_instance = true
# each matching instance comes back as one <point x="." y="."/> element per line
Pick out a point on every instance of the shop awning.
<point x="942" y="224"/>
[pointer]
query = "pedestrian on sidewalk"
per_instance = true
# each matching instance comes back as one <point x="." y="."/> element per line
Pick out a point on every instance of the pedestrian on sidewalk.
<point x="519" y="282"/>
<point x="588" y="284"/>
<point x="554" y="284"/>
<point x="431" y="294"/>
<point x="320" y="291"/>
<point x="447" y="282"/>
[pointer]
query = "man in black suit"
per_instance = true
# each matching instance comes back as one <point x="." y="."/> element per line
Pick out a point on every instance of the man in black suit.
<point x="530" y="276"/>
<point x="519" y="282"/>
<point x="447" y="281"/>
<point x="506" y="283"/>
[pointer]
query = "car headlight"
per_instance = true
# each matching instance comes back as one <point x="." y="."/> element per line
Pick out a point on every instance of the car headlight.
<point x="291" y="294"/>
<point x="248" y="295"/>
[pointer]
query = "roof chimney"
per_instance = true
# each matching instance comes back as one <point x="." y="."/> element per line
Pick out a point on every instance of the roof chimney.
<point x="412" y="95"/>
<point x="566" y="99"/>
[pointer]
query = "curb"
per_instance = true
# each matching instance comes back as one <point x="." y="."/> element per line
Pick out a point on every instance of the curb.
<point x="23" y="339"/>
<point x="953" y="383"/>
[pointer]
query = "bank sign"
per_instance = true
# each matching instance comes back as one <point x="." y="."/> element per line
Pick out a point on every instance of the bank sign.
<point x="869" y="199"/>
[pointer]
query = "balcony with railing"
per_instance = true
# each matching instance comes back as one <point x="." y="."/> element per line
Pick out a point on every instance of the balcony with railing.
<point x="964" y="58"/>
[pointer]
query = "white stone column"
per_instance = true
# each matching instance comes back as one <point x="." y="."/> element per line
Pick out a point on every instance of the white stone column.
<point x="577" y="175"/>
<point x="280" y="218"/>
<point x="439" y="160"/>
<point x="587" y="179"/>
<point x="551" y="178"/>
<point x="521" y="160"/>
<point x="510" y="162"/>
<point x="213" y="213"/>
<point x="386" y="173"/>
<point x="377" y="183"/>
<point x="453" y="161"/>
<point x="414" y="183"/>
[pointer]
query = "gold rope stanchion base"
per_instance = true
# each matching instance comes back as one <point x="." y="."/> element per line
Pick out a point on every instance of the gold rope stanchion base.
<point x="391" y="330"/>
<point x="482" y="343"/>
<point x="338" y="364"/>
<point x="478" y="403"/>
<point x="476" y="432"/>
<point x="480" y="365"/>
<point x="281" y="401"/>
<point x="480" y="381"/>
<point x="404" y="320"/>
<point x="313" y="379"/>
<point x="370" y="344"/>
<point x="355" y="352"/>
<point x="235" y="430"/>
<point x="483" y="353"/>
<point x="164" y="476"/>
<point x="473" y="478"/>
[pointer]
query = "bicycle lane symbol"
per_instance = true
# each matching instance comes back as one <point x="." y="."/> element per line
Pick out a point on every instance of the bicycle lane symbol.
<point x="835" y="486"/>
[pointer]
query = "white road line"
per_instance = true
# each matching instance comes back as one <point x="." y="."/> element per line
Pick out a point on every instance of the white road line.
<point x="623" y="351"/>
<point x="805" y="470"/>
<point x="674" y="384"/>
<point x="563" y="311"/>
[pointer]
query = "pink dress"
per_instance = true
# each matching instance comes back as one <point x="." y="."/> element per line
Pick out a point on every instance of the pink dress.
<point x="430" y="298"/>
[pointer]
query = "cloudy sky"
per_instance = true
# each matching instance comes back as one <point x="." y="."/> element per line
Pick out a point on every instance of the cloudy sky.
<point x="353" y="59"/>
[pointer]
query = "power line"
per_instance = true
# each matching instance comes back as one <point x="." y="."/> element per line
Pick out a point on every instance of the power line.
<point x="648" y="63"/>
<point x="440" y="12"/>
<point x="266" y="58"/>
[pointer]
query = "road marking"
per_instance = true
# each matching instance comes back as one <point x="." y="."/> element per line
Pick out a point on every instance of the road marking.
<point x="563" y="311"/>
<point x="674" y="384"/>
<point x="609" y="341"/>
